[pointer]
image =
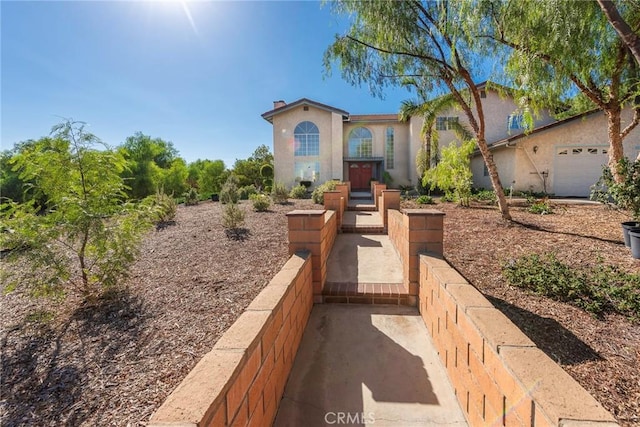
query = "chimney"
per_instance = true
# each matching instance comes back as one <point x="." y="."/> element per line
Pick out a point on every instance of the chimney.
<point x="278" y="104"/>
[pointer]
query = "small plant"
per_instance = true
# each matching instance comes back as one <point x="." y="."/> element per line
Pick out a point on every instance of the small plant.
<point x="229" y="192"/>
<point x="597" y="289"/>
<point x="318" y="194"/>
<point x="540" y="206"/>
<point x="625" y="194"/>
<point x="425" y="200"/>
<point x="261" y="202"/>
<point x="163" y="207"/>
<point x="232" y="216"/>
<point x="387" y="178"/>
<point x="485" y="196"/>
<point x="279" y="193"/>
<point x="246" y="191"/>
<point x="191" y="197"/>
<point x="298" y="192"/>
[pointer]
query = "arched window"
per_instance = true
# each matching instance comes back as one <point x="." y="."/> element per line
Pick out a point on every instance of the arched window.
<point x="307" y="139"/>
<point x="360" y="143"/>
<point x="389" y="149"/>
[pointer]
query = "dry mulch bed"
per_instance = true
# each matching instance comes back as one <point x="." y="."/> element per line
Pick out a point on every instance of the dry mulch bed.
<point x="115" y="363"/>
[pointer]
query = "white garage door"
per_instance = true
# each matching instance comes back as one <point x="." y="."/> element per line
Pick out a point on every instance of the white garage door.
<point x="577" y="168"/>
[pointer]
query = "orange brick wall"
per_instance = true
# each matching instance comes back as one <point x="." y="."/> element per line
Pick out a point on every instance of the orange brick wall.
<point x="241" y="381"/>
<point x="500" y="377"/>
<point x="315" y="231"/>
<point x="334" y="201"/>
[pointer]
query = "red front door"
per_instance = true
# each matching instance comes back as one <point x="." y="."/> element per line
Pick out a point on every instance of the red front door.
<point x="360" y="174"/>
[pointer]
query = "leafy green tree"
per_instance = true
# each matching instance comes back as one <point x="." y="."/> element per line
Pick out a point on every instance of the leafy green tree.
<point x="174" y="179"/>
<point x="11" y="186"/>
<point x="213" y="175"/>
<point x="87" y="236"/>
<point x="629" y="36"/>
<point x="248" y="170"/>
<point x="557" y="46"/>
<point x="147" y="159"/>
<point x="453" y="173"/>
<point x="423" y="44"/>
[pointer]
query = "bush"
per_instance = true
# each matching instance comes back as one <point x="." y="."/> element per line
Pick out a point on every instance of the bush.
<point x="597" y="289"/>
<point x="541" y="206"/>
<point x="247" y="191"/>
<point x="318" y="193"/>
<point x="485" y="196"/>
<point x="425" y="200"/>
<point x="260" y="202"/>
<point x="298" y="192"/>
<point x="191" y="197"/>
<point x="625" y="194"/>
<point x="163" y="207"/>
<point x="279" y="193"/>
<point x="232" y="216"/>
<point x="229" y="192"/>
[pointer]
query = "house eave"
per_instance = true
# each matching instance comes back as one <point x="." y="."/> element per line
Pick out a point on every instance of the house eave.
<point x="268" y="116"/>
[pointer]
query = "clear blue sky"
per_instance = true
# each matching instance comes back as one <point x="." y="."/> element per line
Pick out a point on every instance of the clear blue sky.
<point x="198" y="74"/>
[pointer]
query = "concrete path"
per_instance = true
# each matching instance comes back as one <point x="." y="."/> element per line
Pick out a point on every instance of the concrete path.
<point x="362" y="258"/>
<point x="365" y="365"/>
<point x="362" y="218"/>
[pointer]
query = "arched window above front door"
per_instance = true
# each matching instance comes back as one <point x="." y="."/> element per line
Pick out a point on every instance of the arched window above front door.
<point x="360" y="143"/>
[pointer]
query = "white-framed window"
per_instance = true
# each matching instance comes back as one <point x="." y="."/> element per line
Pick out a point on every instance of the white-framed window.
<point x="307" y="139"/>
<point x="360" y="143"/>
<point x="307" y="171"/>
<point x="515" y="122"/>
<point x="389" y="149"/>
<point x="446" y="123"/>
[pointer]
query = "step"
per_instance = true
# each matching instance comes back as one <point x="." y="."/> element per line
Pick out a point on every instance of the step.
<point x="361" y="207"/>
<point x="361" y="197"/>
<point x="367" y="293"/>
<point x="363" y="229"/>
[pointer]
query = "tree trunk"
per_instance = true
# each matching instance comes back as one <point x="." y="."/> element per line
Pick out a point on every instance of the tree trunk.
<point x="495" y="179"/>
<point x="616" y="150"/>
<point x="631" y="39"/>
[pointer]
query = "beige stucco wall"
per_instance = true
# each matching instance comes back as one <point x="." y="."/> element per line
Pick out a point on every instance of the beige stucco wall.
<point x="526" y="166"/>
<point x="284" y="125"/>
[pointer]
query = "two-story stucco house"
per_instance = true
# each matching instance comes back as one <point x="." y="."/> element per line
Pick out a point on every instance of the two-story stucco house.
<point x="317" y="142"/>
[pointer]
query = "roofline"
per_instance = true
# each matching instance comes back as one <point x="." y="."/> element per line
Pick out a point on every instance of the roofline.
<point x="373" y="118"/>
<point x="268" y="116"/>
<point x="506" y="141"/>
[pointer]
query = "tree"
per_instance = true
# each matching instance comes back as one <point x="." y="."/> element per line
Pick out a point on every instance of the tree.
<point x="423" y="43"/>
<point x="558" y="46"/>
<point x="629" y="36"/>
<point x="453" y="174"/>
<point x="146" y="158"/>
<point x="87" y="235"/>
<point x="213" y="175"/>
<point x="248" y="170"/>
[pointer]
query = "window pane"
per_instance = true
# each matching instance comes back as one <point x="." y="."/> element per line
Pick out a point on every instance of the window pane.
<point x="307" y="171"/>
<point x="307" y="139"/>
<point x="360" y="143"/>
<point x="389" y="160"/>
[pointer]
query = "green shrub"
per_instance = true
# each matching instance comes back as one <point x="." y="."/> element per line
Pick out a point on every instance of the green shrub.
<point x="485" y="196"/>
<point x="245" y="192"/>
<point x="163" y="207"/>
<point x="597" y="289"/>
<point x="260" y="202"/>
<point x="425" y="200"/>
<point x="387" y="179"/>
<point x="229" y="192"/>
<point x="191" y="197"/>
<point x="540" y="206"/>
<point x="232" y="216"/>
<point x="279" y="193"/>
<point x="625" y="194"/>
<point x="298" y="192"/>
<point x="318" y="194"/>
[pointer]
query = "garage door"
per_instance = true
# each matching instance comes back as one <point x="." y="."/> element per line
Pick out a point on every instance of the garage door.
<point x="577" y="169"/>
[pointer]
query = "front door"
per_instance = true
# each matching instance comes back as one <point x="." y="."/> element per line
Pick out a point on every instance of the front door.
<point x="360" y="174"/>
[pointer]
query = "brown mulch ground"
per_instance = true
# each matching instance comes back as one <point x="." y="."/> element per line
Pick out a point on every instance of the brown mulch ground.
<point x="115" y="363"/>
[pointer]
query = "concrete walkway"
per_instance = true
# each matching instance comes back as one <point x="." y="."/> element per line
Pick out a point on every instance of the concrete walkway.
<point x="365" y="365"/>
<point x="362" y="219"/>
<point x="361" y="258"/>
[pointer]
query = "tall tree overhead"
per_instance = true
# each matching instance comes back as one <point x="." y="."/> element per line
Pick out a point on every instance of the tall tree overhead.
<point x="421" y="43"/>
<point x="557" y="47"/>
<point x="630" y="36"/>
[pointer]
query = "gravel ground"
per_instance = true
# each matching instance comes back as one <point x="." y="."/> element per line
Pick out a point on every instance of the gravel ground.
<point x="115" y="362"/>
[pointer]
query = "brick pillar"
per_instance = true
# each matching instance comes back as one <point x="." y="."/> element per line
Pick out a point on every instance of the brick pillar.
<point x="343" y="188"/>
<point x="377" y="192"/>
<point x="306" y="233"/>
<point x="425" y="234"/>
<point x="390" y="199"/>
<point x="373" y="191"/>
<point x="334" y="201"/>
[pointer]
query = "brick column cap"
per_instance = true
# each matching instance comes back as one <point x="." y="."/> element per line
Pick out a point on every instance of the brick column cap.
<point x="301" y="212"/>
